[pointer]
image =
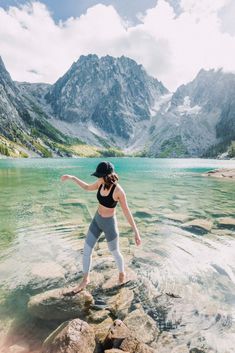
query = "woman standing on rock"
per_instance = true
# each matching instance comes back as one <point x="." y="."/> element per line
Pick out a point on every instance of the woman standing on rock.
<point x="109" y="194"/>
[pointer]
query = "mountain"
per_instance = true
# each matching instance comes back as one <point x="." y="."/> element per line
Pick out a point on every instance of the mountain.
<point x="110" y="106"/>
<point x="198" y="120"/>
<point x="24" y="124"/>
<point x="105" y="96"/>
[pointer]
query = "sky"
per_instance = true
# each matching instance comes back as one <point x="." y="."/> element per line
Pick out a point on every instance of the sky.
<point x="172" y="39"/>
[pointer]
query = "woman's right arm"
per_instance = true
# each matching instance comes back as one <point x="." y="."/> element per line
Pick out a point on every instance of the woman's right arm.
<point x="81" y="183"/>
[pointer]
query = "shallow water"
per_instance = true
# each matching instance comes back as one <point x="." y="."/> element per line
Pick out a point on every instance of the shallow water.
<point x="43" y="223"/>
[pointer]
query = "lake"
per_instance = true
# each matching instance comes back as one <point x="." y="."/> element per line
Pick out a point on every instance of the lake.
<point x="43" y="223"/>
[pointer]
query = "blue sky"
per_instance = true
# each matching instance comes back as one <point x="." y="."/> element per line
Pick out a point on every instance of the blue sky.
<point x="63" y="9"/>
<point x="172" y="39"/>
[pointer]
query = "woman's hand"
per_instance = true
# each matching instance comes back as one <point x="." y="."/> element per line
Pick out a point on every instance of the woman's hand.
<point x="65" y="177"/>
<point x="137" y="238"/>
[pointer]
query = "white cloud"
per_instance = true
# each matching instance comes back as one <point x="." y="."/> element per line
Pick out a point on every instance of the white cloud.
<point x="172" y="48"/>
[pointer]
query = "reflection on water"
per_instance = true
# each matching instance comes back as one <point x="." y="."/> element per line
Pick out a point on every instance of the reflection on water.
<point x="43" y="223"/>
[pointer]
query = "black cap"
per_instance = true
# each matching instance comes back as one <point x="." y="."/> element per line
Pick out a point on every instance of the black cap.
<point x="103" y="169"/>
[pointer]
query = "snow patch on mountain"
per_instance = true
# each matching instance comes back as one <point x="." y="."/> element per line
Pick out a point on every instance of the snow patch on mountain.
<point x="159" y="102"/>
<point x="186" y="108"/>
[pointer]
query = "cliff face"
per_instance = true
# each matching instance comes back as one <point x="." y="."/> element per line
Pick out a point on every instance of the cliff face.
<point x="24" y="126"/>
<point x="199" y="119"/>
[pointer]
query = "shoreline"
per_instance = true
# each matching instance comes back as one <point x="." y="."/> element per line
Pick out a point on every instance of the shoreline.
<point x="223" y="173"/>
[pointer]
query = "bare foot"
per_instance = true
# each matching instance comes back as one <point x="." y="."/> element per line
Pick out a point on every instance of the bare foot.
<point x="77" y="289"/>
<point x="122" y="278"/>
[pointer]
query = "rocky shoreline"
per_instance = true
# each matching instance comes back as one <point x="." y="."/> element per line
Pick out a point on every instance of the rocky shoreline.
<point x="104" y="318"/>
<point x="221" y="173"/>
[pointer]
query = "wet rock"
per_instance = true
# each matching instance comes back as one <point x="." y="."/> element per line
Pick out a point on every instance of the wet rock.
<point x="101" y="330"/>
<point x="165" y="342"/>
<point x="178" y="217"/>
<point x="74" y="336"/>
<point x="47" y="271"/>
<point x="97" y="316"/>
<point x="143" y="214"/>
<point x="226" y="222"/>
<point x="120" y="304"/>
<point x="142" y="325"/>
<point x="18" y="349"/>
<point x="96" y="280"/>
<point x="52" y="305"/>
<point x="133" y="345"/>
<point x="119" y="336"/>
<point x="114" y="350"/>
<point x="180" y="349"/>
<point x="199" y="225"/>
<point x="112" y="280"/>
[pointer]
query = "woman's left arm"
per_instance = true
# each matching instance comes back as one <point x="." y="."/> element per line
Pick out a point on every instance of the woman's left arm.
<point x="127" y="213"/>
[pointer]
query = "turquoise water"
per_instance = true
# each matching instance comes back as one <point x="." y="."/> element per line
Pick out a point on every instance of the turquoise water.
<point x="43" y="223"/>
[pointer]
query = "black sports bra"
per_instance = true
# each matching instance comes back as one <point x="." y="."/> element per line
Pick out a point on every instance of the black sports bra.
<point x="107" y="200"/>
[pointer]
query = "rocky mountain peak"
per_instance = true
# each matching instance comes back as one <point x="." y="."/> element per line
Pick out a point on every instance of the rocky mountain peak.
<point x="107" y="91"/>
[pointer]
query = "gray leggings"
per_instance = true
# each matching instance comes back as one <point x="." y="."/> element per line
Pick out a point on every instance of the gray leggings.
<point x="108" y="225"/>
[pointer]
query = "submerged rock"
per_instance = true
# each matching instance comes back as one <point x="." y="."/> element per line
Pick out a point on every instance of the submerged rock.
<point x="52" y="305"/>
<point x="178" y="217"/>
<point x="199" y="225"/>
<point x="226" y="222"/>
<point x="74" y="336"/>
<point x="221" y="173"/>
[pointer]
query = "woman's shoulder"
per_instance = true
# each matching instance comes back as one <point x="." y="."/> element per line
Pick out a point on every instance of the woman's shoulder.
<point x="119" y="188"/>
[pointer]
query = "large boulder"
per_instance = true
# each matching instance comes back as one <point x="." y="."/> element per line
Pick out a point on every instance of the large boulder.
<point x="74" y="336"/>
<point x="119" y="336"/>
<point x="142" y="325"/>
<point x="53" y="305"/>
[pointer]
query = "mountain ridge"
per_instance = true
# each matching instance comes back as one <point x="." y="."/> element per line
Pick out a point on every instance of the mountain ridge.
<point x="112" y="103"/>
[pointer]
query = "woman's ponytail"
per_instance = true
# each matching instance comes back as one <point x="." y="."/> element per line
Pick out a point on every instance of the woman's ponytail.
<point x="110" y="180"/>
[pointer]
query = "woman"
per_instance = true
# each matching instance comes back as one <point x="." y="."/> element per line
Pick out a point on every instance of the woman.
<point x="109" y="194"/>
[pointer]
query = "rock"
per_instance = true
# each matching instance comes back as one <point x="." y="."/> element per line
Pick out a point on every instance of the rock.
<point x="101" y="330"/>
<point x="119" y="336"/>
<point x="48" y="270"/>
<point x="199" y="225"/>
<point x="221" y="173"/>
<point x="114" y="350"/>
<point x="133" y="345"/>
<point x="178" y="217"/>
<point x="18" y="349"/>
<point x="226" y="222"/>
<point x="142" y="325"/>
<point x="143" y="214"/>
<point x="180" y="349"/>
<point x="113" y="279"/>
<point x="96" y="280"/>
<point x="120" y="304"/>
<point x="74" y="336"/>
<point x="165" y="342"/>
<point x="52" y="305"/>
<point x="97" y="316"/>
